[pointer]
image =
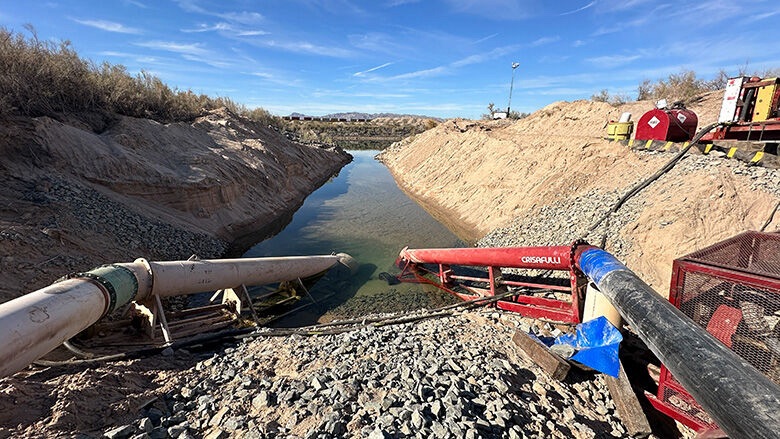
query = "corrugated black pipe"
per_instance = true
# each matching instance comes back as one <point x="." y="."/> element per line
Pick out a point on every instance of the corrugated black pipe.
<point x="742" y="400"/>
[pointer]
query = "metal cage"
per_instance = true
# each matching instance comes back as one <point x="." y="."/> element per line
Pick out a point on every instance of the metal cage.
<point x="732" y="289"/>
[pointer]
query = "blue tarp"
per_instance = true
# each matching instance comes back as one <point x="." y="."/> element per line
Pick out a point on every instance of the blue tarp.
<point x="596" y="343"/>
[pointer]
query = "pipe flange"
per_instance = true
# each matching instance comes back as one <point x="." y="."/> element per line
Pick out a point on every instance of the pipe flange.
<point x="573" y="253"/>
<point x="103" y="277"/>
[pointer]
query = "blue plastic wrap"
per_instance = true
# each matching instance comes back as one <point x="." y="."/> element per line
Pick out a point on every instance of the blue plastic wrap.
<point x="596" y="342"/>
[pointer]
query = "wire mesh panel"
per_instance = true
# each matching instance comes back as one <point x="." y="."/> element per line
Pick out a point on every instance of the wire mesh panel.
<point x="744" y="317"/>
<point x="752" y="252"/>
<point x="733" y="290"/>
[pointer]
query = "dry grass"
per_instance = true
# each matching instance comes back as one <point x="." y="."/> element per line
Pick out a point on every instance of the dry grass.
<point x="683" y="86"/>
<point x="42" y="78"/>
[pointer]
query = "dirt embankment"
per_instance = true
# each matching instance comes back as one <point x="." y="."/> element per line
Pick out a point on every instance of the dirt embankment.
<point x="483" y="176"/>
<point x="83" y="192"/>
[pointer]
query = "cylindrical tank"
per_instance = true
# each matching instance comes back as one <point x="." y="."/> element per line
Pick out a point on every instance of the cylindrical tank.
<point x="676" y="125"/>
<point x="619" y="130"/>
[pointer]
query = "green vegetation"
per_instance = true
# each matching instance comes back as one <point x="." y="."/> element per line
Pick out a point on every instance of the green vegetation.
<point x="604" y="96"/>
<point x="377" y="133"/>
<point x="42" y="78"/>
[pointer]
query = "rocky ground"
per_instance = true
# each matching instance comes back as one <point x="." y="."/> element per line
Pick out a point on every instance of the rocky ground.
<point x="454" y="373"/>
<point x="546" y="178"/>
<point x="457" y="374"/>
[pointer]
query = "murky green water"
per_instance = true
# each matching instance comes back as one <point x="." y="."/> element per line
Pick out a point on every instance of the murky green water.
<point x="361" y="212"/>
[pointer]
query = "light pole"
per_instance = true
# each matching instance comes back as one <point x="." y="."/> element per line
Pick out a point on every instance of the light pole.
<point x="511" y="85"/>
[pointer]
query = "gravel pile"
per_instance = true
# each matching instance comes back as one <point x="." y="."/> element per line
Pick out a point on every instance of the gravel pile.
<point x="392" y="300"/>
<point x="568" y="219"/>
<point x="457" y="376"/>
<point x="155" y="239"/>
<point x="454" y="376"/>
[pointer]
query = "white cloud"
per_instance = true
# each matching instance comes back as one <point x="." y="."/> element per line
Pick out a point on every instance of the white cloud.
<point x="482" y="40"/>
<point x="181" y="48"/>
<point x="243" y="17"/>
<point x="394" y="3"/>
<point x="227" y="29"/>
<point x="611" y="61"/>
<point x="114" y="53"/>
<point x="580" y="9"/>
<point x="486" y="56"/>
<point x="207" y="28"/>
<point x="189" y="51"/>
<point x="307" y="48"/>
<point x="759" y="17"/>
<point x="545" y="40"/>
<point x="497" y="9"/>
<point x="610" y="6"/>
<point x="136" y="4"/>
<point x="427" y="73"/>
<point x="284" y="80"/>
<point x="372" y="69"/>
<point x="108" y="26"/>
<point x="191" y="6"/>
<point x="251" y="33"/>
<point x="220" y="64"/>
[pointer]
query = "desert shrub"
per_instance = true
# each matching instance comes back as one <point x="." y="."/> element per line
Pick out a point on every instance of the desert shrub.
<point x="518" y="115"/>
<point x="263" y="117"/>
<point x="683" y="86"/>
<point x="491" y="109"/>
<point x="43" y="78"/>
<point x="605" y="96"/>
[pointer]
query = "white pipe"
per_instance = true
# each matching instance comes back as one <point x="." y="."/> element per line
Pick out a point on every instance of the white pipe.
<point x="176" y="278"/>
<point x="36" y="323"/>
<point x="33" y="325"/>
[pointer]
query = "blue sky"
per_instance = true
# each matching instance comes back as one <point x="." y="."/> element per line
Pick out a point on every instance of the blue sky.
<point x="445" y="58"/>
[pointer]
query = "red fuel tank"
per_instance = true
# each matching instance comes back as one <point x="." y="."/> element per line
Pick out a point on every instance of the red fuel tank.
<point x="676" y="125"/>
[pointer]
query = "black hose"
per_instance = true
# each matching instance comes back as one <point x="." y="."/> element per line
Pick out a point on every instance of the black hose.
<point x="771" y="217"/>
<point x="742" y="400"/>
<point x="643" y="184"/>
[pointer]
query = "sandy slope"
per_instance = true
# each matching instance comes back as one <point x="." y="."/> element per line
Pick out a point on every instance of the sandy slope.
<point x="483" y="175"/>
<point x="76" y="196"/>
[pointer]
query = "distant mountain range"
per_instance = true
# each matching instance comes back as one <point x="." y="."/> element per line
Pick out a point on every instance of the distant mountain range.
<point x="355" y="115"/>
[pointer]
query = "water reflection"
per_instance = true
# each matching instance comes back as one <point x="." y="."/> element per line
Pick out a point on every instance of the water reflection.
<point x="361" y="212"/>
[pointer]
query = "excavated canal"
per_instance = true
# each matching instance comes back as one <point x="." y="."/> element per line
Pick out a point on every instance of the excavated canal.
<point x="362" y="212"/>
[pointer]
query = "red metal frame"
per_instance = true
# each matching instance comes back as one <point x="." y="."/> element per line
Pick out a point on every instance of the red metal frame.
<point x="559" y="258"/>
<point x="672" y="399"/>
<point x="748" y="131"/>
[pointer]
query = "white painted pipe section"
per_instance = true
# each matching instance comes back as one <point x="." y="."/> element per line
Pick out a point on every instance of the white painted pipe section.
<point x="36" y="323"/>
<point x="176" y="278"/>
<point x="33" y="325"/>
